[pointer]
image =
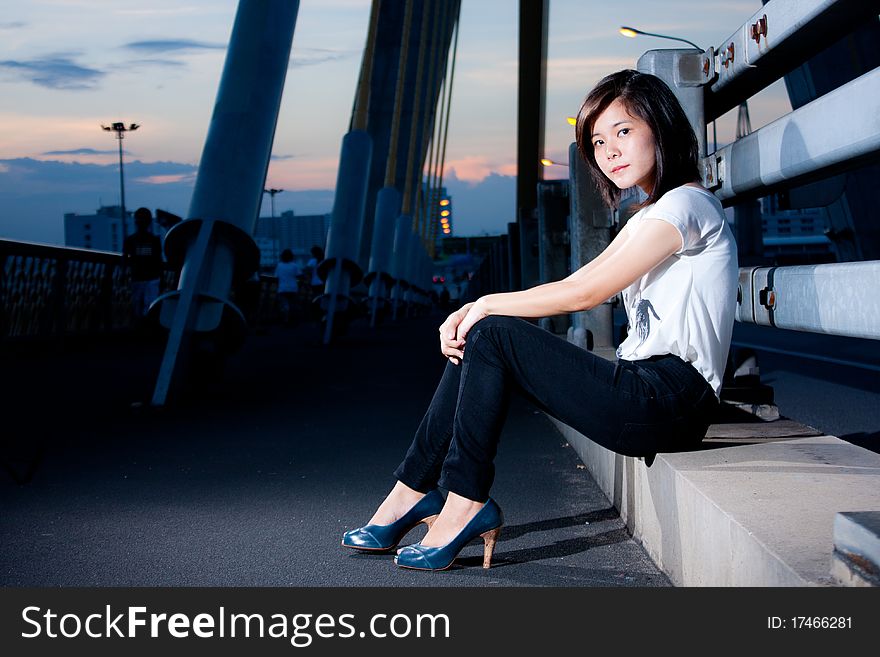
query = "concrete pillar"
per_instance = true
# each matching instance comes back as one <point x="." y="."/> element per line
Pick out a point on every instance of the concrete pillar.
<point x="340" y="267"/>
<point x="533" y="19"/>
<point x="379" y="279"/>
<point x="590" y="225"/>
<point x="514" y="279"/>
<point x="553" y="244"/>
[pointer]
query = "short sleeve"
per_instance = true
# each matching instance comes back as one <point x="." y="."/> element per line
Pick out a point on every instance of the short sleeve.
<point x="677" y="208"/>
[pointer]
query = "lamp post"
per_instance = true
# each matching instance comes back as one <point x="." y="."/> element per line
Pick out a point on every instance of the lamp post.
<point x="120" y="129"/>
<point x="271" y="193"/>
<point x="632" y="33"/>
<point x="547" y="162"/>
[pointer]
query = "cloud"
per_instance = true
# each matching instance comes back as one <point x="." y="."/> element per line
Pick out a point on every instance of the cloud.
<point x="168" y="11"/>
<point x="14" y="25"/>
<point x="482" y="208"/>
<point x="574" y="73"/>
<point x="314" y="56"/>
<point x="140" y="63"/>
<point x="171" y="45"/>
<point x="55" y="72"/>
<point x="82" y="151"/>
<point x="35" y="194"/>
<point x="473" y="169"/>
<point x="167" y="179"/>
<point x="282" y="157"/>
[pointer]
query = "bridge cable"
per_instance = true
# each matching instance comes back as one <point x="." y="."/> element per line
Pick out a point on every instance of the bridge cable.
<point x="434" y="157"/>
<point x="391" y="166"/>
<point x="363" y="93"/>
<point x="446" y="127"/>
<point x="429" y="115"/>
<point x="406" y="207"/>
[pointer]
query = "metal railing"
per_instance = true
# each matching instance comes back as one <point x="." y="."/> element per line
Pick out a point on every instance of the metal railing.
<point x="55" y="291"/>
<point x="837" y="132"/>
<point x="52" y="291"/>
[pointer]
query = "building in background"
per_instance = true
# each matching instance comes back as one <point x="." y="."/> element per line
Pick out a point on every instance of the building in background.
<point x="444" y="217"/>
<point x="289" y="231"/>
<point x="441" y="214"/>
<point x="794" y="237"/>
<point x="102" y="231"/>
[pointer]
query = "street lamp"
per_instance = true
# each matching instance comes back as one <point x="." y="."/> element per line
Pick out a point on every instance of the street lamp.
<point x="120" y="129"/>
<point x="632" y="33"/>
<point x="271" y="193"/>
<point x="551" y="163"/>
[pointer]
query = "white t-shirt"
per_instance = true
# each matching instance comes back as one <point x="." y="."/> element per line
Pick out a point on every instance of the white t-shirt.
<point x="287" y="273"/>
<point x="686" y="305"/>
<point x="313" y="264"/>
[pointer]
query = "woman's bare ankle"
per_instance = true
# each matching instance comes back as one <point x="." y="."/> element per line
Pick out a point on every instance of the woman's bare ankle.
<point x="456" y="513"/>
<point x="400" y="500"/>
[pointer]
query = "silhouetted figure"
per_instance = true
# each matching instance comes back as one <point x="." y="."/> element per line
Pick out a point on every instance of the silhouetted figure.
<point x="316" y="285"/>
<point x="142" y="254"/>
<point x="288" y="273"/>
<point x="315" y="281"/>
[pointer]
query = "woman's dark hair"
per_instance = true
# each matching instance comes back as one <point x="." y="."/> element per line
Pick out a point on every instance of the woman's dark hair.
<point x="287" y="255"/>
<point x="647" y="97"/>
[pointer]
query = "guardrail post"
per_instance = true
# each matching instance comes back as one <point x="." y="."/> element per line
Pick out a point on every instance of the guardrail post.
<point x="590" y="225"/>
<point x="553" y="259"/>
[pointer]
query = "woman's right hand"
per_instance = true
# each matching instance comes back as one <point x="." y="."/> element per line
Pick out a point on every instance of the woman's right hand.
<point x="451" y="347"/>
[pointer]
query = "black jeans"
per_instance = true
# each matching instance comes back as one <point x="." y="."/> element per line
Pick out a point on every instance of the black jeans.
<point x="636" y="408"/>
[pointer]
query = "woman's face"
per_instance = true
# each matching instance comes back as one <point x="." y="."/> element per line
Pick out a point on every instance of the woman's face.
<point x="623" y="146"/>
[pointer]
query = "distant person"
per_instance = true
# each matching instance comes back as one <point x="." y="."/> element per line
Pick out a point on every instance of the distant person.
<point x="142" y="254"/>
<point x="674" y="263"/>
<point x="315" y="281"/>
<point x="316" y="285"/>
<point x="445" y="298"/>
<point x="288" y="273"/>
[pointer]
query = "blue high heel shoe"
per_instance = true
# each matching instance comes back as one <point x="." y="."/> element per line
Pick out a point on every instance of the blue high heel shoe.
<point x="380" y="538"/>
<point x="486" y="524"/>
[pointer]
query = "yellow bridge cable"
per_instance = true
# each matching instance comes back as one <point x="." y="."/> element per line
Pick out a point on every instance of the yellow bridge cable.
<point x="391" y="166"/>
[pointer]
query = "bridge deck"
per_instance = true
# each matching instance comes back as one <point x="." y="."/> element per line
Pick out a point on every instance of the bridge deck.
<point x="253" y="482"/>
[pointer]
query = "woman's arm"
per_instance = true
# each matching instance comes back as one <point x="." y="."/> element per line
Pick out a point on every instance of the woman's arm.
<point x="609" y="273"/>
<point x="615" y="244"/>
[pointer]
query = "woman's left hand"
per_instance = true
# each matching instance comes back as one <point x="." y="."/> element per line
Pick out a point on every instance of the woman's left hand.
<point x="477" y="312"/>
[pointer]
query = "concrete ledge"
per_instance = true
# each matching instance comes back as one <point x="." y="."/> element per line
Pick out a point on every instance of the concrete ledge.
<point x="755" y="506"/>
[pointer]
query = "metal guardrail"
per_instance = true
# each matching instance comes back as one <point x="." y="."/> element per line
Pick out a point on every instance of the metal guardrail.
<point x="804" y="144"/>
<point x="788" y="298"/>
<point x="777" y="35"/>
<point x="51" y="291"/>
<point x="54" y="291"/>
<point x="836" y="132"/>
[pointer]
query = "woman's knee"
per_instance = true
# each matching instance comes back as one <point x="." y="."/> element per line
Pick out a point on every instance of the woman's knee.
<point x="491" y="335"/>
<point x="496" y="321"/>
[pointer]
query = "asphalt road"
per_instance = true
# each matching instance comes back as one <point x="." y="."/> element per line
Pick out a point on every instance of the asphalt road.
<point x="253" y="481"/>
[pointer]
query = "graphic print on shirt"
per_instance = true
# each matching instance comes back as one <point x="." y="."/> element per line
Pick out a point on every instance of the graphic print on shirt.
<point x="643" y="313"/>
